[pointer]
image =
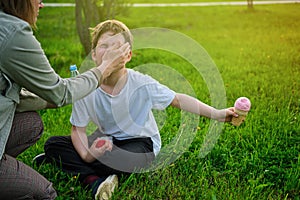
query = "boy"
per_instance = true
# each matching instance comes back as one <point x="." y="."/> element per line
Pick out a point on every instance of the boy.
<point x="121" y="108"/>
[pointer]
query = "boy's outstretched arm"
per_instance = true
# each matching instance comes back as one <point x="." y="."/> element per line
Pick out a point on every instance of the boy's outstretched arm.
<point x="193" y="105"/>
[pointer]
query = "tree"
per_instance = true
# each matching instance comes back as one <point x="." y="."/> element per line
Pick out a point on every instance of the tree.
<point x="250" y="4"/>
<point x="90" y="12"/>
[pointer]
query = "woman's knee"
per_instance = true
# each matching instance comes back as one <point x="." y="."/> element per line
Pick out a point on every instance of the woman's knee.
<point x="31" y="123"/>
<point x="38" y="125"/>
<point x="26" y="130"/>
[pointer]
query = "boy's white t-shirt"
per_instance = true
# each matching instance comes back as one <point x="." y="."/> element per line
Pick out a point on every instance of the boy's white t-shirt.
<point x="127" y="115"/>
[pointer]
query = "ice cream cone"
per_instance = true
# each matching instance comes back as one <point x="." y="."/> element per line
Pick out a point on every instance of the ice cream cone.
<point x="237" y="121"/>
<point x="241" y="107"/>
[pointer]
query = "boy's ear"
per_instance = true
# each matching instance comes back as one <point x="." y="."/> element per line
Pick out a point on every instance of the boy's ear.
<point x="94" y="55"/>
<point x="129" y="56"/>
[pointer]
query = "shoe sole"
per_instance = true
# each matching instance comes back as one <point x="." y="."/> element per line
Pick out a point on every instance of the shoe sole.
<point x="105" y="189"/>
<point x="39" y="159"/>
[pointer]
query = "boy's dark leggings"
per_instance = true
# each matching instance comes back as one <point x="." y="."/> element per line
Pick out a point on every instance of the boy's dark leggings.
<point x="127" y="156"/>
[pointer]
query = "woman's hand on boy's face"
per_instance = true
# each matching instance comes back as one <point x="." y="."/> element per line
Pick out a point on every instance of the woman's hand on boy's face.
<point x="108" y="42"/>
<point x="115" y="51"/>
<point x="114" y="59"/>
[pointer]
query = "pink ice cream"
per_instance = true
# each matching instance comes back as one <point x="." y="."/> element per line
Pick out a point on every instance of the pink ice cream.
<point x="241" y="107"/>
<point x="242" y="103"/>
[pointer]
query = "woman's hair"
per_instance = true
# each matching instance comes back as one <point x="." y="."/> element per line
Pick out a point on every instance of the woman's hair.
<point x="114" y="26"/>
<point x="23" y="9"/>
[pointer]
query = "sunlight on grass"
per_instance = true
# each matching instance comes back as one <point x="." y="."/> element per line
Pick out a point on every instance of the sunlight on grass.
<point x="257" y="54"/>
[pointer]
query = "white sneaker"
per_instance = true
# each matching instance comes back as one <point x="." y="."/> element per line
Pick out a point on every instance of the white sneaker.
<point x="106" y="188"/>
<point x="39" y="159"/>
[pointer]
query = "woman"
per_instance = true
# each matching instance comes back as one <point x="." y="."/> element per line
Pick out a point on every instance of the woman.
<point x="23" y="64"/>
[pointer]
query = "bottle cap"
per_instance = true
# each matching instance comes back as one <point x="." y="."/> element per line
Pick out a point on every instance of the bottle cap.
<point x="73" y="67"/>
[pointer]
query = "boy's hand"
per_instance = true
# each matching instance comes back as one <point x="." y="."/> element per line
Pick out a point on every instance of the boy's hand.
<point x="225" y="115"/>
<point x="100" y="143"/>
<point x="100" y="146"/>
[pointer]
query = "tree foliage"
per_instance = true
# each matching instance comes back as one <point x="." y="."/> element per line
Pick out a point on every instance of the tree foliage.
<point x="90" y="12"/>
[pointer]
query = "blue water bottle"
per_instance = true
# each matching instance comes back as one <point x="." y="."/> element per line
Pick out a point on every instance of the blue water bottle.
<point x="74" y="71"/>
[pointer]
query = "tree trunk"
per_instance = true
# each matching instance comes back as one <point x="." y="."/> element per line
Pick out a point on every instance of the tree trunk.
<point x="88" y="13"/>
<point x="250" y="4"/>
<point x="85" y="14"/>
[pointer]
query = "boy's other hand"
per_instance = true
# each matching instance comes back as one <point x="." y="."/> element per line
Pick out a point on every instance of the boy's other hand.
<point x="98" y="151"/>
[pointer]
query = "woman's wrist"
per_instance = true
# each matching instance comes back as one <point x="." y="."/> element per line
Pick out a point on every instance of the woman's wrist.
<point x="99" y="74"/>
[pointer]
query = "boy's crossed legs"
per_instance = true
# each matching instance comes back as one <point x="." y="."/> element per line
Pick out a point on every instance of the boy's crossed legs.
<point x="127" y="156"/>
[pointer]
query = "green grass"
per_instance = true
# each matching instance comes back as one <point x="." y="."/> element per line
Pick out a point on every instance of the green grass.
<point x="150" y="1"/>
<point x="257" y="54"/>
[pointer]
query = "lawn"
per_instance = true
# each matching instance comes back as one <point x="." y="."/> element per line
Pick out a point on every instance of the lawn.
<point x="152" y="1"/>
<point x="257" y="55"/>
